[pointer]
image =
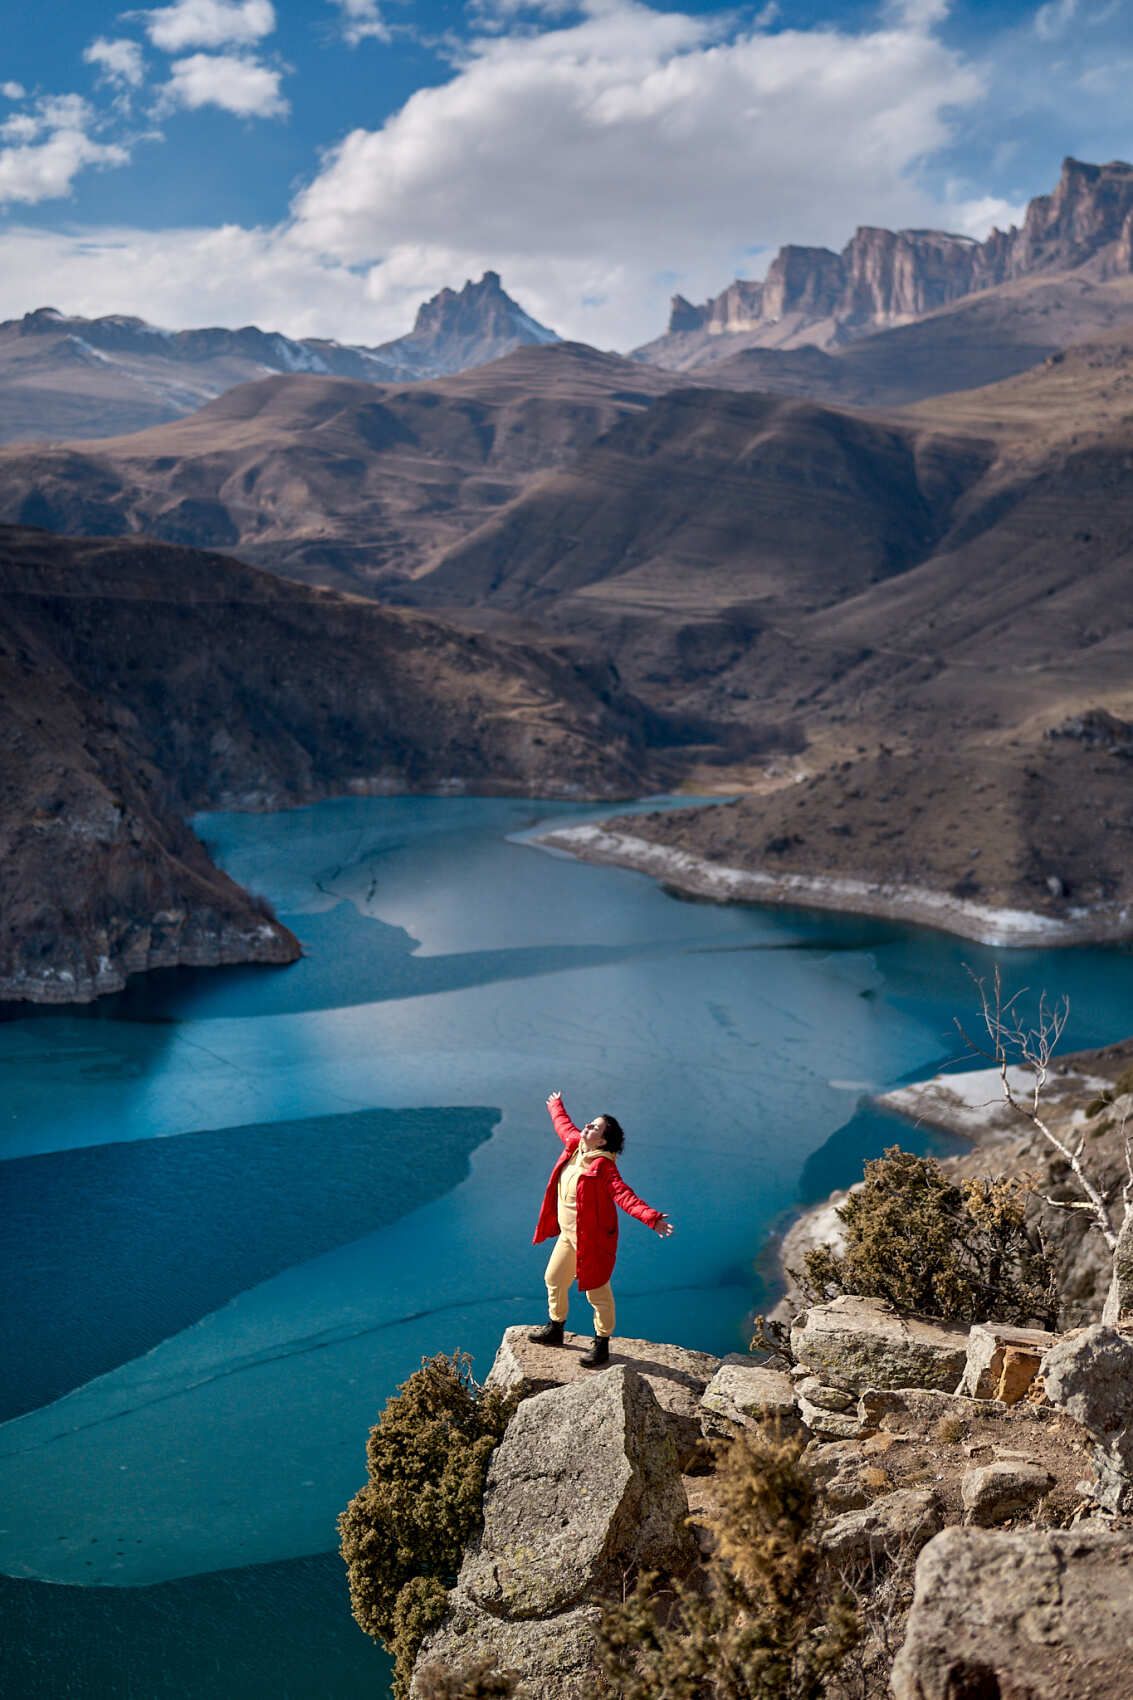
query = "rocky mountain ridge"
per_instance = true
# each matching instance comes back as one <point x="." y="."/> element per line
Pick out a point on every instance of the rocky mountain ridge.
<point x="71" y="376"/>
<point x="814" y="296"/>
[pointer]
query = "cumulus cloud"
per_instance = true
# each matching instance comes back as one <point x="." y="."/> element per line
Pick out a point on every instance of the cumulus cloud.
<point x="598" y="161"/>
<point x="13" y="91"/>
<point x="229" y="275"/>
<point x="612" y="149"/>
<point x="119" y="62"/>
<point x="227" y="80"/>
<point x="362" y="21"/>
<point x="209" y="23"/>
<point x="45" y="149"/>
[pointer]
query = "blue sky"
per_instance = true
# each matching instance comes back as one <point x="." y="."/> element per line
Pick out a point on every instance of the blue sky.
<point x="318" y="166"/>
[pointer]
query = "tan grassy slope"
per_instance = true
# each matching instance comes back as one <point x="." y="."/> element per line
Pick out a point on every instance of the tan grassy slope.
<point x="333" y="480"/>
<point x="946" y="688"/>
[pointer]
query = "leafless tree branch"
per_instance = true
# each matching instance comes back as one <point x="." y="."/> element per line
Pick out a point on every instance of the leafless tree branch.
<point x="1014" y="1042"/>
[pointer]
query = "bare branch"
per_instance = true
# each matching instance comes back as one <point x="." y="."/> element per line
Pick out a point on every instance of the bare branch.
<point x="1032" y="1047"/>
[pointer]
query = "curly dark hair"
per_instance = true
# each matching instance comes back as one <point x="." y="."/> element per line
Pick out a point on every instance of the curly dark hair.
<point x="614" y="1132"/>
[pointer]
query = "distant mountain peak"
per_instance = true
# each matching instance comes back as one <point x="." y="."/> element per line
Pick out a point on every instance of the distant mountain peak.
<point x="469" y="326"/>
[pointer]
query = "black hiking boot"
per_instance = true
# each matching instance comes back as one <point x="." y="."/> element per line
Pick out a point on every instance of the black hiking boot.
<point x="598" y="1354"/>
<point x="551" y="1334"/>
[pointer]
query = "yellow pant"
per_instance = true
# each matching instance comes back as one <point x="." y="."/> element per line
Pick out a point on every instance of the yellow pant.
<point x="561" y="1271"/>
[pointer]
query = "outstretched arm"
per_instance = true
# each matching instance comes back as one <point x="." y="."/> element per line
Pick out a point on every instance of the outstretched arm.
<point x="633" y="1206"/>
<point x="563" y="1125"/>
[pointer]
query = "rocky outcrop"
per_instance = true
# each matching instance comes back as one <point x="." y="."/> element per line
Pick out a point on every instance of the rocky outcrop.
<point x="1089" y="1374"/>
<point x="888" y="277"/>
<point x="583" y="1490"/>
<point x="854" y="1343"/>
<point x="678" y="1379"/>
<point x="1021" y="1615"/>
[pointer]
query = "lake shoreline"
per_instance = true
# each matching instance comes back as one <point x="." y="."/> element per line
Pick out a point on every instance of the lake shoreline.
<point x="695" y="876"/>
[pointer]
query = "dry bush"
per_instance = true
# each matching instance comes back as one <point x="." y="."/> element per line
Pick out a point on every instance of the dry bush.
<point x="771" y="1623"/>
<point x="476" y="1680"/>
<point x="403" y="1534"/>
<point x="959" y="1250"/>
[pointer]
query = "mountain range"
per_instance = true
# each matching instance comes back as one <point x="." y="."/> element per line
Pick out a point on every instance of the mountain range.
<point x="879" y="590"/>
<point x="63" y="376"/>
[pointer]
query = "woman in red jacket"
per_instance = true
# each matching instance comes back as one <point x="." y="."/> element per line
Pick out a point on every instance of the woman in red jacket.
<point x="580" y="1207"/>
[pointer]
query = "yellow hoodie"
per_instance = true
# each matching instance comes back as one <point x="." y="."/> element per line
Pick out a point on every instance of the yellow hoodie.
<point x="568" y="1189"/>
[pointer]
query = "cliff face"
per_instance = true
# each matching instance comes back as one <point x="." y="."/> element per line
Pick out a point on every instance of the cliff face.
<point x="138" y="681"/>
<point x="887" y="277"/>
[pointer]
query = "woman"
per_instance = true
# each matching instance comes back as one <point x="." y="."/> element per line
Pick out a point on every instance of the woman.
<point x="580" y="1207"/>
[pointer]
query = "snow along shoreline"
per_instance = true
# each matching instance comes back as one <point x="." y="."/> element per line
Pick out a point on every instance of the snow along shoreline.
<point x="883" y="899"/>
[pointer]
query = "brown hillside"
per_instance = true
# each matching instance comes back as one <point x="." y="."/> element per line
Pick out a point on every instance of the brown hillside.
<point x="139" y="681"/>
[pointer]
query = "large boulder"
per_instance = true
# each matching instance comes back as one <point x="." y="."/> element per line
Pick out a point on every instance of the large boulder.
<point x="583" y="1488"/>
<point x="1089" y="1374"/>
<point x="743" y="1393"/>
<point x="677" y="1376"/>
<point x="855" y="1343"/>
<point x="1020" y="1615"/>
<point x="1002" y="1361"/>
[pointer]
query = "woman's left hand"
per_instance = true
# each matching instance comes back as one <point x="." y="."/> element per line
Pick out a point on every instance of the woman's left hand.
<point x="663" y="1226"/>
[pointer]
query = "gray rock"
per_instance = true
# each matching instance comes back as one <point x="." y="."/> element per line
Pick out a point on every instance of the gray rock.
<point x="901" y="1521"/>
<point x="742" y="1393"/>
<point x="1089" y="1375"/>
<point x="1002" y="1361"/>
<point x="1119" y="1299"/>
<point x="996" y="1492"/>
<point x="1020" y="1614"/>
<point x="816" y="1392"/>
<point x="583" y="1487"/>
<point x="555" y="1659"/>
<point x="678" y="1377"/>
<point x="857" y="1343"/>
<point x="834" y="1425"/>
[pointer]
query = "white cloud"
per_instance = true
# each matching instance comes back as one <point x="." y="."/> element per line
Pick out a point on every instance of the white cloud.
<point x="1054" y="19"/>
<point x="13" y="91"/>
<point x="43" y="170"/>
<point x="362" y="21"/>
<point x="119" y="62"/>
<point x="227" y="80"/>
<point x="597" y="164"/>
<point x="594" y="157"/>
<point x="986" y="213"/>
<point x="224" y="276"/>
<point x="209" y="23"/>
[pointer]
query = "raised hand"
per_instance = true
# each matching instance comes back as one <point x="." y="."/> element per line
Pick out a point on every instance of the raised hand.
<point x="554" y="1098"/>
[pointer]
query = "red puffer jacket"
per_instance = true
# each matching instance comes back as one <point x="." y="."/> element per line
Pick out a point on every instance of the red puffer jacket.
<point x="600" y="1190"/>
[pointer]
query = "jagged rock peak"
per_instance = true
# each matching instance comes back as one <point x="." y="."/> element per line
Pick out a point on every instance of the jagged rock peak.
<point x="883" y="277"/>
<point x="483" y="307"/>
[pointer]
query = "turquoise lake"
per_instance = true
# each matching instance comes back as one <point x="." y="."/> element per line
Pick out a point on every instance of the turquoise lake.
<point x="240" y="1205"/>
